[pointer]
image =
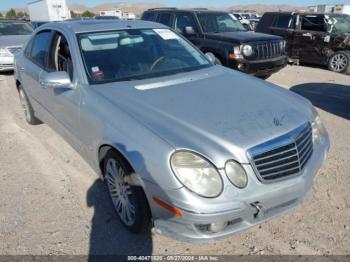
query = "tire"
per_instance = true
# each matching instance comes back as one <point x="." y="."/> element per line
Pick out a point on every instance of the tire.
<point x="340" y="62"/>
<point x="130" y="202"/>
<point x="30" y="117"/>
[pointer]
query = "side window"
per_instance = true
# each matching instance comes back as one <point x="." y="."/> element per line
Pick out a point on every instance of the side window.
<point x="314" y="23"/>
<point x="60" y="56"/>
<point x="283" y="21"/>
<point x="148" y="16"/>
<point x="164" y="18"/>
<point x="40" y="48"/>
<point x="184" y="20"/>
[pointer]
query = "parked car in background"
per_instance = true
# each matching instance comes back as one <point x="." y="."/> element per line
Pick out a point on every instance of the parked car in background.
<point x="244" y="22"/>
<point x="253" y="19"/>
<point x="201" y="150"/>
<point x="223" y="35"/>
<point x="13" y="35"/>
<point x="322" y="39"/>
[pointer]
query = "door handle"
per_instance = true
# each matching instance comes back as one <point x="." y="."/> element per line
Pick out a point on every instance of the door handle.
<point x="21" y="69"/>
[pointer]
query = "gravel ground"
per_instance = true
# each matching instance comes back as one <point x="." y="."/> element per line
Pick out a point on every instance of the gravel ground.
<point x="53" y="203"/>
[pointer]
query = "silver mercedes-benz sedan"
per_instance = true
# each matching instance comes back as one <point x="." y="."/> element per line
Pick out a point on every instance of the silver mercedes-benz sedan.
<point x="196" y="150"/>
<point x="13" y="35"/>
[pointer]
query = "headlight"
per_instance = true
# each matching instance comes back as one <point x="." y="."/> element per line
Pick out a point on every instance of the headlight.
<point x="318" y="129"/>
<point x="4" y="53"/>
<point x="247" y="50"/>
<point x="196" y="173"/>
<point x="236" y="174"/>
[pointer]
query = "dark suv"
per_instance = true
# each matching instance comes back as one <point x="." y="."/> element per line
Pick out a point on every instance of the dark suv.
<point x="223" y="35"/>
<point x="322" y="39"/>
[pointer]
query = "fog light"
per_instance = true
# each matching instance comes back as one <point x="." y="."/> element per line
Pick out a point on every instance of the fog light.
<point x="241" y="66"/>
<point x="217" y="227"/>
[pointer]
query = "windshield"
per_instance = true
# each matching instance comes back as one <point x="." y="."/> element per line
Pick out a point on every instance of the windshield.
<point x="137" y="54"/>
<point x="15" y="28"/>
<point x="219" y="23"/>
<point x="339" y="23"/>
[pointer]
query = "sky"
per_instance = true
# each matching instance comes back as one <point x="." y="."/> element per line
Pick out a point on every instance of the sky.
<point x="7" y="4"/>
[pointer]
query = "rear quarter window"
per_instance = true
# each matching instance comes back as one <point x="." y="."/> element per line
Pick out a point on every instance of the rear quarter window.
<point x="266" y="22"/>
<point x="164" y="18"/>
<point x="148" y="16"/>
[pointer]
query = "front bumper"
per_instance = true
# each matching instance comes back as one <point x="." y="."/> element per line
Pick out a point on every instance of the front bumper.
<point x="274" y="199"/>
<point x="6" y="64"/>
<point x="259" y="67"/>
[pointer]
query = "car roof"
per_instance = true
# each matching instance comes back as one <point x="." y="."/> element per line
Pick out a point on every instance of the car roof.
<point x="302" y="13"/>
<point x="83" y="26"/>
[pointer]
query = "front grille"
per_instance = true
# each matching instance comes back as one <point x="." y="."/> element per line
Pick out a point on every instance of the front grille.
<point x="266" y="50"/>
<point x="284" y="156"/>
<point x="14" y="49"/>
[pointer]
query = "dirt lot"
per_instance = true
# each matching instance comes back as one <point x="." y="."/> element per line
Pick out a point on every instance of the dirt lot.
<point x="52" y="203"/>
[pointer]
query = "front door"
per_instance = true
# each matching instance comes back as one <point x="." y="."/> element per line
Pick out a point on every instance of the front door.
<point x="183" y="20"/>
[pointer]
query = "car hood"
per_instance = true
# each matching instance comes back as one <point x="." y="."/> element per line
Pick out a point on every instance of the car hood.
<point x="217" y="112"/>
<point x="241" y="37"/>
<point x="13" y="40"/>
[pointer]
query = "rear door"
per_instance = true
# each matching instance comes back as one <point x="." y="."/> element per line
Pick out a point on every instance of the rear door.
<point x="32" y="67"/>
<point x="311" y="38"/>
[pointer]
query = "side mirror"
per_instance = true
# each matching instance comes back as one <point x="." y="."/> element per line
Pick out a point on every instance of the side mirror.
<point x="55" y="80"/>
<point x="211" y="57"/>
<point x="189" y="30"/>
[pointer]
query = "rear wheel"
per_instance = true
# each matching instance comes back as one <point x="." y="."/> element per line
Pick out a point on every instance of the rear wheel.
<point x="129" y="201"/>
<point x="340" y="62"/>
<point x="27" y="107"/>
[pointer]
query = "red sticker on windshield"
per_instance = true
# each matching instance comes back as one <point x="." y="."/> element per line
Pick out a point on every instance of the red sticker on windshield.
<point x="96" y="72"/>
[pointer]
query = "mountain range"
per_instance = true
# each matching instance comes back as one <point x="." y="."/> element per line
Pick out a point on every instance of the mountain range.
<point x="138" y="8"/>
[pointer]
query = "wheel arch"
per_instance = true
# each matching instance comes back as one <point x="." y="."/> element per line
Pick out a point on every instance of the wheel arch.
<point x="136" y="180"/>
<point x="127" y="158"/>
<point x="102" y="151"/>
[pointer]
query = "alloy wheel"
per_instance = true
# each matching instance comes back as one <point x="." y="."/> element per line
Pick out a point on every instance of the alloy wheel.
<point x="120" y="192"/>
<point x="339" y="63"/>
